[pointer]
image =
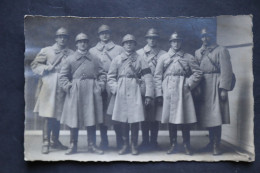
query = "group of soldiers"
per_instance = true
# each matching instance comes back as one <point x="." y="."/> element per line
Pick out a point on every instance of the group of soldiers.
<point x="111" y="85"/>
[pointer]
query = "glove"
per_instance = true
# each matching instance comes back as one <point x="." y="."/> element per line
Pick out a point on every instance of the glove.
<point x="148" y="101"/>
<point x="223" y="94"/>
<point x="159" y="101"/>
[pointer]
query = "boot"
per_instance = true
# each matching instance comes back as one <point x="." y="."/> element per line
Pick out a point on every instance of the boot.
<point x="216" y="141"/>
<point x="173" y="138"/>
<point x="134" y="138"/>
<point x="91" y="130"/>
<point x="209" y="146"/>
<point x="186" y="139"/>
<point x="55" y="143"/>
<point x="73" y="141"/>
<point x="125" y="137"/>
<point x="46" y="136"/>
<point x="104" y="139"/>
<point x="119" y="139"/>
<point x="145" y="135"/>
<point x="154" y="134"/>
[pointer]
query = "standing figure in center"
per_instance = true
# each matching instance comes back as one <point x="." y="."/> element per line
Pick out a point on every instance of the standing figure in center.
<point x="176" y="75"/>
<point x="106" y="50"/>
<point x="82" y="78"/>
<point x="124" y="80"/>
<point x="151" y="53"/>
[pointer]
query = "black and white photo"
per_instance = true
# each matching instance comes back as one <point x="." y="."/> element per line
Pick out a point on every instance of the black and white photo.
<point x="139" y="89"/>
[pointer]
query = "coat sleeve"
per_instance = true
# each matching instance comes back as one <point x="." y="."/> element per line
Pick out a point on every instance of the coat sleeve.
<point x="64" y="76"/>
<point x="225" y="69"/>
<point x="148" y="78"/>
<point x="196" y="75"/>
<point x="158" y="77"/>
<point x="39" y="65"/>
<point x="112" y="76"/>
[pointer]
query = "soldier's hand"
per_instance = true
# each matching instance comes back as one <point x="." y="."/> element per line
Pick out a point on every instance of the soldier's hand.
<point x="102" y="86"/>
<point x="223" y="94"/>
<point x="69" y="88"/>
<point x="50" y="68"/>
<point x="148" y="101"/>
<point x="159" y="101"/>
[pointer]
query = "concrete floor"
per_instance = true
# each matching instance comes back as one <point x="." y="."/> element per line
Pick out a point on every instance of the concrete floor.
<point x="32" y="145"/>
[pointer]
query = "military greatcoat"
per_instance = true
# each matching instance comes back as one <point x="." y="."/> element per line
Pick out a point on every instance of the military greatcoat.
<point x="151" y="56"/>
<point x="176" y="74"/>
<point x="51" y="97"/>
<point x="106" y="53"/>
<point x="124" y="82"/>
<point x="81" y="78"/>
<point x="212" y="111"/>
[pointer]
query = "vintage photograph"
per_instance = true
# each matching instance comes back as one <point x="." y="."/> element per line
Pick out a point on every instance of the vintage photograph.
<point x="139" y="89"/>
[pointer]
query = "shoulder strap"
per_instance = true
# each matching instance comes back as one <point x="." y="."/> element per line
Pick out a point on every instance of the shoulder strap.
<point x="212" y="62"/>
<point x="77" y="65"/>
<point x="109" y="57"/>
<point x="58" y="60"/>
<point x="182" y="66"/>
<point x="167" y="66"/>
<point x="134" y="71"/>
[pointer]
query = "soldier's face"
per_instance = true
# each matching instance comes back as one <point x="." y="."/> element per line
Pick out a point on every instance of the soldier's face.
<point x="206" y="40"/>
<point x="82" y="45"/>
<point x="129" y="46"/>
<point x="62" y="40"/>
<point x="104" y="36"/>
<point x="152" y="41"/>
<point x="176" y="44"/>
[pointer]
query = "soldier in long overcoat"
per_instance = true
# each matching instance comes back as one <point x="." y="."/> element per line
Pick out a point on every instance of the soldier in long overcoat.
<point x="82" y="78"/>
<point x="213" y="108"/>
<point x="151" y="53"/>
<point x="124" y="78"/>
<point x="106" y="50"/>
<point x="177" y="73"/>
<point x="49" y="104"/>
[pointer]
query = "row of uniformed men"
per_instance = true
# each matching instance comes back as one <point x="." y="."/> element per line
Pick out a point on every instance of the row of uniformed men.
<point x="114" y="85"/>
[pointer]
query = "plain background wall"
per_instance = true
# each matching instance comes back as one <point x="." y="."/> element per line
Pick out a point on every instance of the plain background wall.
<point x="231" y="31"/>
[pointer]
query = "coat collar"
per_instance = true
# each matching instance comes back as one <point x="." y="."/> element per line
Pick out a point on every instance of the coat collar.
<point x="57" y="50"/>
<point x="172" y="53"/>
<point x="209" y="48"/>
<point x="132" y="56"/>
<point x="79" y="54"/>
<point x="108" y="46"/>
<point x="148" y="49"/>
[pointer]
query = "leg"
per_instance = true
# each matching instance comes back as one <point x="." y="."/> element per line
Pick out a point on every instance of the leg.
<point x="173" y="138"/>
<point x="103" y="128"/>
<point x="91" y="130"/>
<point x="73" y="141"/>
<point x="119" y="139"/>
<point x="145" y="135"/>
<point x="134" y="138"/>
<point x="104" y="138"/>
<point x="46" y="135"/>
<point x="55" y="143"/>
<point x="125" y="137"/>
<point x="186" y="138"/>
<point x="216" y="140"/>
<point x="209" y="146"/>
<point x="154" y="125"/>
